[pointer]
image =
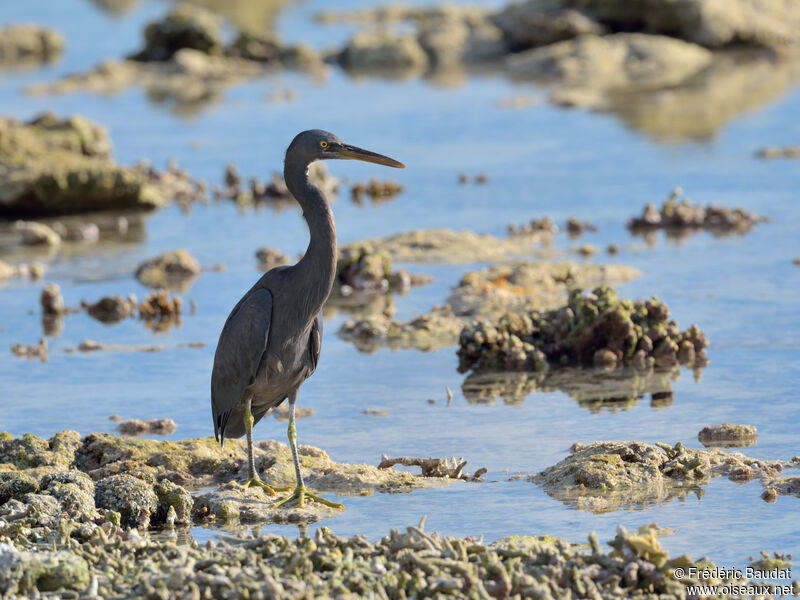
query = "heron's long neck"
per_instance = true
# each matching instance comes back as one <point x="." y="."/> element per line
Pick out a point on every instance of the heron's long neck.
<point x="317" y="269"/>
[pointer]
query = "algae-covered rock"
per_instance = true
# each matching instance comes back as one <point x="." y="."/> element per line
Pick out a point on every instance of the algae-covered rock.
<point x="28" y="573"/>
<point x="274" y="462"/>
<point x="168" y="270"/>
<point x="173" y="496"/>
<point x="58" y="166"/>
<point x="16" y="485"/>
<point x="728" y="435"/>
<point x="623" y="61"/>
<point x="30" y="451"/>
<point x="133" y="498"/>
<point x="185" y="26"/>
<point x="28" y="44"/>
<point x="606" y="475"/>
<point x="638" y="334"/>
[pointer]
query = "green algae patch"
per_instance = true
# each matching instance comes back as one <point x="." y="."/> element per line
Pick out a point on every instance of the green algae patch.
<point x="607" y="475"/>
<point x="58" y="166"/>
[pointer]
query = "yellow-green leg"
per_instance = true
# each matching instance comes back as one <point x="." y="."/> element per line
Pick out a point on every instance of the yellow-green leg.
<point x="300" y="492"/>
<point x="253" y="480"/>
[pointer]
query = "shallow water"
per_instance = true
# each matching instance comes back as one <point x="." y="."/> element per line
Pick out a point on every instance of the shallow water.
<point x="741" y="290"/>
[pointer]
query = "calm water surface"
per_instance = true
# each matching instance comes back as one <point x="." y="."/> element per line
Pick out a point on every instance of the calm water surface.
<point x="742" y="291"/>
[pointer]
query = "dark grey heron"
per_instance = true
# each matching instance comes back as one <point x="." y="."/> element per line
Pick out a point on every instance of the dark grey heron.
<point x="271" y="341"/>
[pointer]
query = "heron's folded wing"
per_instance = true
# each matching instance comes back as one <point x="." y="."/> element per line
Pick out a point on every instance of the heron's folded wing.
<point x="241" y="345"/>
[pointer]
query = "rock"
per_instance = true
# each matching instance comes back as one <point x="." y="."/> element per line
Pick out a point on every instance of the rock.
<point x="38" y="351"/>
<point x="74" y="492"/>
<point x="32" y="452"/>
<point x="57" y="166"/>
<point x="784" y="486"/>
<point x="728" y="435"/>
<point x="29" y="573"/>
<point x="269" y="258"/>
<point x="111" y="309"/>
<point x="33" y="270"/>
<point x="131" y="497"/>
<point x="536" y="23"/>
<point x="381" y="51"/>
<point x="572" y="335"/>
<point x="16" y="485"/>
<point x="37" y="234"/>
<point x="281" y="412"/>
<point x="173" y="496"/>
<point x="167" y="270"/>
<point x="29" y="44"/>
<point x="775" y="152"/>
<point x="185" y="26"/>
<point x="678" y="214"/>
<point x="51" y="300"/>
<point x="710" y="23"/>
<point x="364" y="268"/>
<point x="153" y="426"/>
<point x="619" y="62"/>
<point x="605" y="475"/>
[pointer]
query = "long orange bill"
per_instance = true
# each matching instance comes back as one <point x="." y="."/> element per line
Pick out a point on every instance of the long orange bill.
<point x="355" y="153"/>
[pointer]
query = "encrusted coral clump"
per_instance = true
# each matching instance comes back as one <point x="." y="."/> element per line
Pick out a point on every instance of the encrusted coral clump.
<point x="594" y="329"/>
<point x="160" y="311"/>
<point x="680" y="213"/>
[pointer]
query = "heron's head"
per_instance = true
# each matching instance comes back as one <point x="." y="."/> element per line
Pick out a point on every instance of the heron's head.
<point x="316" y="144"/>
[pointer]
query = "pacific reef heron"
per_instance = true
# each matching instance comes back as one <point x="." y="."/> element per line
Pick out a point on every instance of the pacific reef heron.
<point x="270" y="343"/>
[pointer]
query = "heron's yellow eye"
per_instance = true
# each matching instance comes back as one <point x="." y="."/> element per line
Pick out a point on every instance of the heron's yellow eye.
<point x="323" y="144"/>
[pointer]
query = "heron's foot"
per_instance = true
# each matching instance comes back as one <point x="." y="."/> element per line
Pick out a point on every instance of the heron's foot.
<point x="256" y="482"/>
<point x="301" y="494"/>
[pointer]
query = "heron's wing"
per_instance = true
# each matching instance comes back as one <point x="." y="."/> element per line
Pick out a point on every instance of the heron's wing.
<point x="241" y="346"/>
<point x="315" y="342"/>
